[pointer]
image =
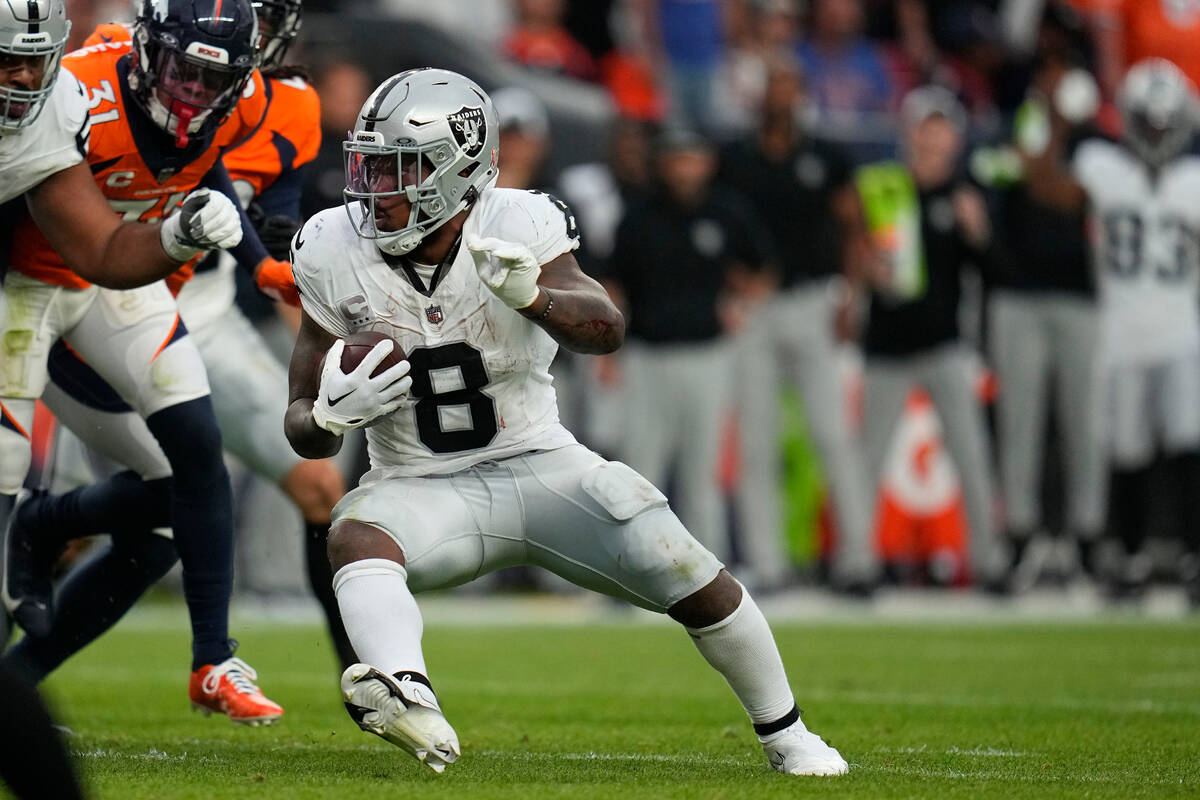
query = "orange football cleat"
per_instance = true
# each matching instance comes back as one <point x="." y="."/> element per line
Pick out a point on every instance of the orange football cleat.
<point x="228" y="688"/>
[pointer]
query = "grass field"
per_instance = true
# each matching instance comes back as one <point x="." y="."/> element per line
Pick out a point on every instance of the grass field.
<point x="1104" y="709"/>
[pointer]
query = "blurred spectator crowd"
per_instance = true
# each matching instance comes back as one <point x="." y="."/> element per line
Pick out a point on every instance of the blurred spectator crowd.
<point x="863" y="339"/>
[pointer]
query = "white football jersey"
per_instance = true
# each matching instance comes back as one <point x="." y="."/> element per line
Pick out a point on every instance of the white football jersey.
<point x="1145" y="235"/>
<point x="481" y="382"/>
<point x="57" y="139"/>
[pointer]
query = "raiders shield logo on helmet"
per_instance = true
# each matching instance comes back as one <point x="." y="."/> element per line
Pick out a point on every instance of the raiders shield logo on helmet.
<point x="469" y="129"/>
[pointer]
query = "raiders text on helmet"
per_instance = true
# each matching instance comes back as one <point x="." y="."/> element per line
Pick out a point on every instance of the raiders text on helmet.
<point x="33" y="33"/>
<point x="192" y="59"/>
<point x="429" y="135"/>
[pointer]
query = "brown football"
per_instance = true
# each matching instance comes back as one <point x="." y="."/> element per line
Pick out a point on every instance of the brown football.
<point x="359" y="343"/>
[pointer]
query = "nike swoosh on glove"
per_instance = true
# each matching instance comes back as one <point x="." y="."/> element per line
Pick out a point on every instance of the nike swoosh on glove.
<point x="351" y="400"/>
<point x="207" y="220"/>
<point x="274" y="279"/>
<point x="509" y="269"/>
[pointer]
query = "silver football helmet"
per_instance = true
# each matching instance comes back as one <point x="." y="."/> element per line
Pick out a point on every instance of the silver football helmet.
<point x="428" y="134"/>
<point x="33" y="33"/>
<point x="1158" y="110"/>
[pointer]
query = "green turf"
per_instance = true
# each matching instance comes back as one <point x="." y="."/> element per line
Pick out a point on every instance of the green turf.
<point x="919" y="710"/>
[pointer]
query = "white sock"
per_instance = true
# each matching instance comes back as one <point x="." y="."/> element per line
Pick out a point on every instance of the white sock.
<point x="741" y="648"/>
<point x="380" y="615"/>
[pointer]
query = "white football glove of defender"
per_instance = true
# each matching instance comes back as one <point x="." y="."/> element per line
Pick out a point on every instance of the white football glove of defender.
<point x="207" y="220"/>
<point x="351" y="400"/>
<point x="509" y="269"/>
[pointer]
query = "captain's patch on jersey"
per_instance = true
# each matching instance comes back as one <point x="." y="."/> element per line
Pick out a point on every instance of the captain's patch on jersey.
<point x="470" y="129"/>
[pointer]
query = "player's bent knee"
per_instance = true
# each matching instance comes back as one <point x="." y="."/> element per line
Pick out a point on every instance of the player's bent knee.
<point x="709" y="605"/>
<point x="351" y="540"/>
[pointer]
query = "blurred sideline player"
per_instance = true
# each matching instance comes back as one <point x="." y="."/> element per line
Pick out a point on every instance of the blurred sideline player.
<point x="1141" y="199"/>
<point x="801" y="187"/>
<point x="930" y="225"/>
<point x="249" y="387"/>
<point x="1044" y="335"/>
<point x="160" y="108"/>
<point x="472" y="470"/>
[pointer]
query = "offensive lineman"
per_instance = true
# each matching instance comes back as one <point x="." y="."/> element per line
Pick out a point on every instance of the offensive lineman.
<point x="472" y="470"/>
<point x="1140" y="195"/>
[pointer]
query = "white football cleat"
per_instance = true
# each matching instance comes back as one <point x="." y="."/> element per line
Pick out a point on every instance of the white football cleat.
<point x="404" y="712"/>
<point x="795" y="750"/>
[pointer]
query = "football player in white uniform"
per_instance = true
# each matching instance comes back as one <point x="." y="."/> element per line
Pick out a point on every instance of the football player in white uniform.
<point x="471" y="469"/>
<point x="1141" y="194"/>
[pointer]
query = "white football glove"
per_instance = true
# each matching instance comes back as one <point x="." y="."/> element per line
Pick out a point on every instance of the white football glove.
<point x="509" y="269"/>
<point x="351" y="400"/>
<point x="207" y="220"/>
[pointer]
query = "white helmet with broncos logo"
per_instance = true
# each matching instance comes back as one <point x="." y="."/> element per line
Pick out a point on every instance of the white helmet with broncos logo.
<point x="430" y="135"/>
<point x="32" y="33"/>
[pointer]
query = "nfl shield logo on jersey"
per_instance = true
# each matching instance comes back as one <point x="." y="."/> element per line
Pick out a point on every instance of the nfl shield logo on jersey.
<point x="434" y="314"/>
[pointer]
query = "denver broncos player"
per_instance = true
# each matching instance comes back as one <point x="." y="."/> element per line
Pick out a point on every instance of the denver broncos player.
<point x="472" y="469"/>
<point x="249" y="390"/>
<point x="44" y="130"/>
<point x="249" y="385"/>
<point x="161" y="117"/>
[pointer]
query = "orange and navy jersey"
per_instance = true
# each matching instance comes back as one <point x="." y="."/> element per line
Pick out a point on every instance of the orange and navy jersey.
<point x="267" y="162"/>
<point x="139" y="186"/>
<point x="288" y="137"/>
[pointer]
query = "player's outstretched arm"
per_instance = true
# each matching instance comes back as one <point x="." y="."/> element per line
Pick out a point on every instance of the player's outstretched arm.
<point x="304" y="384"/>
<point x="93" y="241"/>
